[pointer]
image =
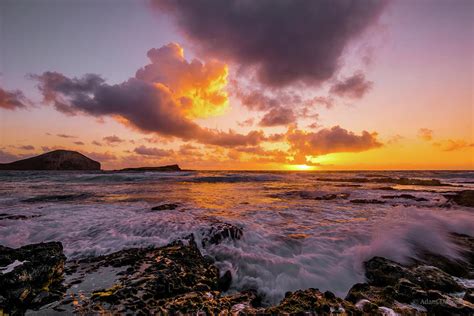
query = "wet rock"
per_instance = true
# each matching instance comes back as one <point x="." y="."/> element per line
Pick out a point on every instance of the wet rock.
<point x="469" y="296"/>
<point x="167" y="206"/>
<point x="311" y="301"/>
<point x="210" y="303"/>
<point x="332" y="196"/>
<point x="58" y="198"/>
<point x="463" y="198"/>
<point x="30" y="276"/>
<point x="4" y="216"/>
<point x="151" y="277"/>
<point x="225" y="281"/>
<point x="399" y="181"/>
<point x="405" y="196"/>
<point x="382" y="272"/>
<point x="403" y="288"/>
<point x="219" y="232"/>
<point x="367" y="201"/>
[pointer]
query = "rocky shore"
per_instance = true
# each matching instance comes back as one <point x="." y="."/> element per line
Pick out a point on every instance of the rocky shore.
<point x="177" y="279"/>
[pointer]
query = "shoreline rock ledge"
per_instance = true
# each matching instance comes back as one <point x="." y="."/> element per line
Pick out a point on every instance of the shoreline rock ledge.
<point x="54" y="160"/>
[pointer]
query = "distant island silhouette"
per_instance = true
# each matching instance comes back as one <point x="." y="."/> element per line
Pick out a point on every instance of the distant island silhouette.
<point x="70" y="160"/>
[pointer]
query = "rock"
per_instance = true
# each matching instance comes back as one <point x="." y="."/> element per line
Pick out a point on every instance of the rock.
<point x="399" y="181"/>
<point x="225" y="281"/>
<point x="332" y="196"/>
<point x="469" y="296"/>
<point x="209" y="303"/>
<point x="405" y="196"/>
<point x="54" y="160"/>
<point x="160" y="168"/>
<point x="58" y="198"/>
<point x="4" y="216"/>
<point x="428" y="277"/>
<point x="220" y="231"/>
<point x="382" y="272"/>
<point x="31" y="275"/>
<point x="311" y="301"/>
<point x="403" y="288"/>
<point x="166" y="206"/>
<point x="463" y="198"/>
<point x="151" y="277"/>
<point x="366" y="201"/>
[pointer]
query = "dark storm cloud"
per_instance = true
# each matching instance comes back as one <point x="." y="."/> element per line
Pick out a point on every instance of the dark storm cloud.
<point x="353" y="87"/>
<point x="278" y="116"/>
<point x="142" y="104"/>
<point x="138" y="103"/>
<point x="286" y="41"/>
<point x="12" y="100"/>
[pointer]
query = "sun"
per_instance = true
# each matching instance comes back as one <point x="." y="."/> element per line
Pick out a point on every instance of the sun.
<point x="300" y="167"/>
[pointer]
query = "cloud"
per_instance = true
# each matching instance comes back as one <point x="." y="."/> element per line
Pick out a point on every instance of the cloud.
<point x="101" y="157"/>
<point x="278" y="116"/>
<point x="142" y="104"/>
<point x="285" y="41"/>
<point x="12" y="100"/>
<point x="425" y="134"/>
<point x="155" y="152"/>
<point x="96" y="143"/>
<point x="27" y="147"/>
<point x="113" y="139"/>
<point x="79" y="143"/>
<point x="395" y="139"/>
<point x="330" y="140"/>
<point x="188" y="149"/>
<point x="198" y="86"/>
<point x="353" y="87"/>
<point x="454" y="145"/>
<point x="6" y="157"/>
<point x="66" y="136"/>
<point x="245" y="123"/>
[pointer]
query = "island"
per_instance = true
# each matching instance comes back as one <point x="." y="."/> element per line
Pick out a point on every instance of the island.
<point x="54" y="160"/>
<point x="161" y="168"/>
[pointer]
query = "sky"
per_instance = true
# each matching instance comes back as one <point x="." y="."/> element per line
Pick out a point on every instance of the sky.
<point x="240" y="84"/>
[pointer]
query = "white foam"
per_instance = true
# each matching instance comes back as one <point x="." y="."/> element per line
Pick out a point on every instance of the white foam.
<point x="9" y="268"/>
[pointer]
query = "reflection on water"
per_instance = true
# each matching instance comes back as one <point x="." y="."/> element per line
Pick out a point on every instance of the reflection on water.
<point x="300" y="229"/>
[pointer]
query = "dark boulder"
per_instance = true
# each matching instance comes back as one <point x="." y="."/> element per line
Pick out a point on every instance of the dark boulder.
<point x="463" y="198"/>
<point x="383" y="272"/>
<point x="54" y="160"/>
<point x="367" y="201"/>
<point x="406" y="197"/>
<point x="164" y="207"/>
<point x="219" y="232"/>
<point x="31" y="275"/>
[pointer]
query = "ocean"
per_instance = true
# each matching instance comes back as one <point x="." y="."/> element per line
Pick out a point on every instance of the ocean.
<point x="300" y="229"/>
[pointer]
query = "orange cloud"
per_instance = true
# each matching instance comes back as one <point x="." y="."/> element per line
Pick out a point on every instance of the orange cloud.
<point x="453" y="145"/>
<point x="329" y="140"/>
<point x="425" y="134"/>
<point x="199" y="88"/>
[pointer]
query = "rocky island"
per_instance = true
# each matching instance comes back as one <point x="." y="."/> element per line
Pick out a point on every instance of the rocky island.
<point x="160" y="168"/>
<point x="54" y="160"/>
